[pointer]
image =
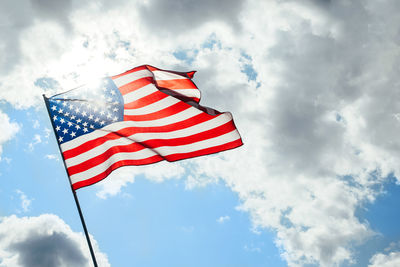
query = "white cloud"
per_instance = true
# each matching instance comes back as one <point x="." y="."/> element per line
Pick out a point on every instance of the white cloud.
<point x="223" y="219"/>
<point x="8" y="130"/>
<point x="25" y="201"/>
<point x="45" y="240"/>
<point x="319" y="119"/>
<point x="52" y="157"/>
<point x="385" y="260"/>
<point x="37" y="139"/>
<point x="121" y="177"/>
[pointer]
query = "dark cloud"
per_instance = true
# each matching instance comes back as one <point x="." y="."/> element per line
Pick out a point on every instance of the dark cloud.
<point x="174" y="16"/>
<point x="56" y="10"/>
<point x="51" y="250"/>
<point x="17" y="16"/>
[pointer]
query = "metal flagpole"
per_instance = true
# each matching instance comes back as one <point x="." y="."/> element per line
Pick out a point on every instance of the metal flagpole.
<point x="73" y="191"/>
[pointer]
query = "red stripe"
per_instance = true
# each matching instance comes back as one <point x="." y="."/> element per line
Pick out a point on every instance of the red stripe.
<point x="176" y="84"/>
<point x="116" y="165"/>
<point x="137" y="84"/>
<point x="147" y="100"/>
<point x="169" y="111"/>
<point x="130" y="71"/>
<point x="92" y="162"/>
<point x="153" y="143"/>
<point x="151" y="68"/>
<point x="206" y="151"/>
<point x="125" y="132"/>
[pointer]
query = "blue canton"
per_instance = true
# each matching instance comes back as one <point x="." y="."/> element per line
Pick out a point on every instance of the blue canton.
<point x="85" y="109"/>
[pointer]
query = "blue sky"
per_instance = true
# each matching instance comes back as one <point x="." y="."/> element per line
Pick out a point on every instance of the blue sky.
<point x="313" y="88"/>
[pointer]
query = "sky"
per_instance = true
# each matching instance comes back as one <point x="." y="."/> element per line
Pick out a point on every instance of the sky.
<point x="314" y="90"/>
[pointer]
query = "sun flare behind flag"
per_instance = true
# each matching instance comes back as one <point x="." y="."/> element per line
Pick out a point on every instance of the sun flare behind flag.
<point x="139" y="117"/>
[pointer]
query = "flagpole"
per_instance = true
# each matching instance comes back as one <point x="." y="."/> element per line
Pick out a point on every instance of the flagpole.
<point x="73" y="191"/>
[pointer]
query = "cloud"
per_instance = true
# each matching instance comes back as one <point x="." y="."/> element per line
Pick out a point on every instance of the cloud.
<point x="223" y="219"/>
<point x="313" y="87"/>
<point x="385" y="260"/>
<point x="25" y="201"/>
<point x="8" y="130"/>
<point x="37" y="139"/>
<point x="184" y="15"/>
<point x="43" y="241"/>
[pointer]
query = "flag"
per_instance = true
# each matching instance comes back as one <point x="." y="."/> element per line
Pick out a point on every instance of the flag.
<point x="142" y="116"/>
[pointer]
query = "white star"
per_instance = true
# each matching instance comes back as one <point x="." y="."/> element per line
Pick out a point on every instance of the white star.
<point x="54" y="118"/>
<point x="73" y="117"/>
<point x="115" y="109"/>
<point x="84" y="113"/>
<point x="77" y="127"/>
<point x="115" y="118"/>
<point x="102" y="122"/>
<point x="73" y="134"/>
<point x="77" y="110"/>
<point x="65" y="131"/>
<point x="67" y="114"/>
<point x="60" y="110"/>
<point x="102" y="112"/>
<point x="90" y="117"/>
<point x="62" y="120"/>
<point x="64" y="104"/>
<point x="92" y="126"/>
<point x="78" y="120"/>
<point x="58" y="128"/>
<point x="53" y="108"/>
<point x="85" y="130"/>
<point x="96" y="120"/>
<point x="85" y="124"/>
<point x="71" y="107"/>
<point x="60" y="139"/>
<point x="112" y="92"/>
<point x="109" y="115"/>
<point x="69" y="124"/>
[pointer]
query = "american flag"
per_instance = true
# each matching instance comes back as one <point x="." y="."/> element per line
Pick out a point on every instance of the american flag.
<point x="139" y="117"/>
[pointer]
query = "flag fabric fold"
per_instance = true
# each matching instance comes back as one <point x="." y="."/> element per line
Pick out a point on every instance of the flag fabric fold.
<point x="142" y="116"/>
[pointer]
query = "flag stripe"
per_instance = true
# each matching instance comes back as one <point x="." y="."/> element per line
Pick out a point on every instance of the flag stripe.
<point x="176" y="84"/>
<point x="164" y="113"/>
<point x="102" y="144"/>
<point x="123" y="129"/>
<point x="154" y="143"/>
<point x="153" y="107"/>
<point x="166" y="75"/>
<point x="114" y="166"/>
<point x="166" y="152"/>
<point x="132" y="76"/>
<point x="137" y="84"/>
<point x="147" y="100"/>
<point x="139" y="93"/>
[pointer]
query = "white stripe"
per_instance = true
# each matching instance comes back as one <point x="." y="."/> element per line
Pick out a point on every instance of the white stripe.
<point x="114" y="127"/>
<point x="139" y="93"/>
<point x="208" y="143"/>
<point x="164" y="151"/>
<point x="130" y="77"/>
<point x="157" y="106"/>
<point x="141" y="137"/>
<point x="188" y="92"/>
<point x="165" y="75"/>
